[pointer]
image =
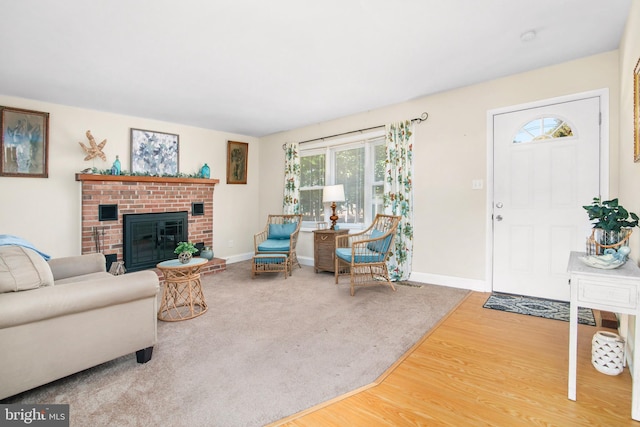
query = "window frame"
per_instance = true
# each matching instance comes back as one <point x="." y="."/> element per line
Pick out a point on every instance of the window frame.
<point x="307" y="153"/>
<point x="544" y="137"/>
<point x="329" y="148"/>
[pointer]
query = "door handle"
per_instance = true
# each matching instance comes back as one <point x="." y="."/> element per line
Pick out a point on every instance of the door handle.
<point x="498" y="217"/>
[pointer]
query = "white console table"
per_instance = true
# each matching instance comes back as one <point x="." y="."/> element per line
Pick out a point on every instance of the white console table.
<point x="615" y="290"/>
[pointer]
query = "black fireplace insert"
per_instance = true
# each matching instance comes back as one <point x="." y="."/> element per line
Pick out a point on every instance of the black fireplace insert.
<point x="152" y="237"/>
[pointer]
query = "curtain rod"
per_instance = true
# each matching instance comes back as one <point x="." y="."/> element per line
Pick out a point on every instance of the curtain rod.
<point x="423" y="117"/>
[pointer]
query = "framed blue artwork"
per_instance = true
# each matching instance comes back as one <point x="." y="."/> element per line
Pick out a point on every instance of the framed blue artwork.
<point x="24" y="143"/>
<point x="154" y="153"/>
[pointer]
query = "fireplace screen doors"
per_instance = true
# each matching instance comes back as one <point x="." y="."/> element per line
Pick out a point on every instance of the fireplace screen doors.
<point x="152" y="238"/>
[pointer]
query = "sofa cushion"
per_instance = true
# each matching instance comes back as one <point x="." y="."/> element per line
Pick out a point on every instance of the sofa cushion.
<point x="21" y="308"/>
<point x="83" y="278"/>
<point x="77" y="265"/>
<point x="282" y="231"/>
<point x="22" y="269"/>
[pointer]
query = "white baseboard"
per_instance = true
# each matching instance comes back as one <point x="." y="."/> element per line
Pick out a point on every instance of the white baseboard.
<point x="433" y="279"/>
<point x="305" y="260"/>
<point x="450" y="281"/>
<point x="238" y="258"/>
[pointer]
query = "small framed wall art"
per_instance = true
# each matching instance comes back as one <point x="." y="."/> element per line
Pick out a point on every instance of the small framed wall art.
<point x="24" y="143"/>
<point x="154" y="153"/>
<point x="636" y="112"/>
<point x="237" y="162"/>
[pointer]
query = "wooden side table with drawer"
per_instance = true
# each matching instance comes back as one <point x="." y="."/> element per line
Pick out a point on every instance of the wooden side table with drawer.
<point x="324" y="249"/>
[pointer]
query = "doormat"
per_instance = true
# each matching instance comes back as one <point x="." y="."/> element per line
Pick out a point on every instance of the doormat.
<point x="539" y="307"/>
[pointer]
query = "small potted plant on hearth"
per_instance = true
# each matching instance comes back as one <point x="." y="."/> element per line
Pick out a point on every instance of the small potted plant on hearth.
<point x="185" y="251"/>
<point x="612" y="225"/>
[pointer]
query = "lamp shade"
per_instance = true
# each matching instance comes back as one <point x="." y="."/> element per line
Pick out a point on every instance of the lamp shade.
<point x="333" y="193"/>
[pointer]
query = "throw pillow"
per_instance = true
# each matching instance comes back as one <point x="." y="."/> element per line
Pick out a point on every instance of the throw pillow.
<point x="379" y="245"/>
<point x="22" y="269"/>
<point x="282" y="231"/>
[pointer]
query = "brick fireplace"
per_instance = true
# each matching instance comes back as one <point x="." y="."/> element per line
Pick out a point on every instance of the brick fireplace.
<point x="107" y="198"/>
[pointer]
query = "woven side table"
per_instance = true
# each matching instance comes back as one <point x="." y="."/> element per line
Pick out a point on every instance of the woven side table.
<point x="270" y="263"/>
<point x="182" y="296"/>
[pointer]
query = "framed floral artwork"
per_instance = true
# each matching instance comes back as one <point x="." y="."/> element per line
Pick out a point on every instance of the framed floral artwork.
<point x="154" y="153"/>
<point x="237" y="162"/>
<point x="24" y="143"/>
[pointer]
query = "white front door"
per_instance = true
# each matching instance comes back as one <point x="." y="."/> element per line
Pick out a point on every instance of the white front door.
<point x="540" y="186"/>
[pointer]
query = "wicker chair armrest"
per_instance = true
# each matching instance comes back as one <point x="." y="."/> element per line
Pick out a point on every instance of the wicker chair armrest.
<point x="360" y="245"/>
<point x="361" y="250"/>
<point x="359" y="233"/>
<point x="259" y="238"/>
<point x="293" y="240"/>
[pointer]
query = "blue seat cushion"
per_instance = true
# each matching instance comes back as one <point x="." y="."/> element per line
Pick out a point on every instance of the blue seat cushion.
<point x="274" y="245"/>
<point x="269" y="258"/>
<point x="282" y="231"/>
<point x="382" y="245"/>
<point x="362" y="256"/>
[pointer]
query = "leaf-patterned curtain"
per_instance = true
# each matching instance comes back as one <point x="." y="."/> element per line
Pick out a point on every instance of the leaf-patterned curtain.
<point x="291" y="200"/>
<point x="398" y="195"/>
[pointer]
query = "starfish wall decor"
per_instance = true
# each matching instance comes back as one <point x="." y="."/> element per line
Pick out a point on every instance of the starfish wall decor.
<point x="94" y="150"/>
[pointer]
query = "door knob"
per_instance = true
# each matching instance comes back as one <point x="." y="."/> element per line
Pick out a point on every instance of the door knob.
<point x="498" y="217"/>
<point x="499" y="205"/>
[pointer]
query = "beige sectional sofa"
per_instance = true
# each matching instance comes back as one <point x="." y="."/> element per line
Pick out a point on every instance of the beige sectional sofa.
<point x="68" y="315"/>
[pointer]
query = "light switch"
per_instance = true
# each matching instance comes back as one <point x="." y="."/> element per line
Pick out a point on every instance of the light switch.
<point x="477" y="184"/>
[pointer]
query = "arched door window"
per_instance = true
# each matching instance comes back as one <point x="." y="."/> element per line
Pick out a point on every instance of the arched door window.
<point x="543" y="129"/>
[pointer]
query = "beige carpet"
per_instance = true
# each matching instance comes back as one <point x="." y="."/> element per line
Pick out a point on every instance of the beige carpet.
<point x="267" y="348"/>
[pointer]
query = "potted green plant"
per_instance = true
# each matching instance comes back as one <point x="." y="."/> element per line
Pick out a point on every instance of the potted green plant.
<point x="185" y="251"/>
<point x="612" y="223"/>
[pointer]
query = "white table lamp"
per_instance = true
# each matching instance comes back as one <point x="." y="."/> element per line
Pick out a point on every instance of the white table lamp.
<point x="333" y="194"/>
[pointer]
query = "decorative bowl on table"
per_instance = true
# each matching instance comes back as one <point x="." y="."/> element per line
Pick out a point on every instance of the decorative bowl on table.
<point x="610" y="260"/>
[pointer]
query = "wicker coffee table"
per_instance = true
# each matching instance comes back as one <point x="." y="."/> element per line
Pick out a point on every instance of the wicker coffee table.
<point x="182" y="296"/>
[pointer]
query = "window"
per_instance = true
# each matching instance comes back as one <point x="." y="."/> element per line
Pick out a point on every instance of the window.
<point x="544" y="128"/>
<point x="312" y="179"/>
<point x="358" y="164"/>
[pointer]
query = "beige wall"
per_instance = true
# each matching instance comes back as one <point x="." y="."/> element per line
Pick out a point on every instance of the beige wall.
<point x="450" y="151"/>
<point x="629" y="172"/>
<point x="47" y="211"/>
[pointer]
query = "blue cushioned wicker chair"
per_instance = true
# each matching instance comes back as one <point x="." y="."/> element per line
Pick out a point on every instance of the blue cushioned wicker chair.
<point x="279" y="236"/>
<point x="363" y="256"/>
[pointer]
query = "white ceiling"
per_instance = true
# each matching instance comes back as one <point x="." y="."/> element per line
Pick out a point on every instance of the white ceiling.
<point x="257" y="67"/>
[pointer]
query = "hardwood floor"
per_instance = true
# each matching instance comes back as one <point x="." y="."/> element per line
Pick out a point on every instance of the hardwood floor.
<point x="483" y="367"/>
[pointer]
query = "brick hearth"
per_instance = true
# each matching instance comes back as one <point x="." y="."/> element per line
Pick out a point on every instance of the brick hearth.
<point x="144" y="194"/>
